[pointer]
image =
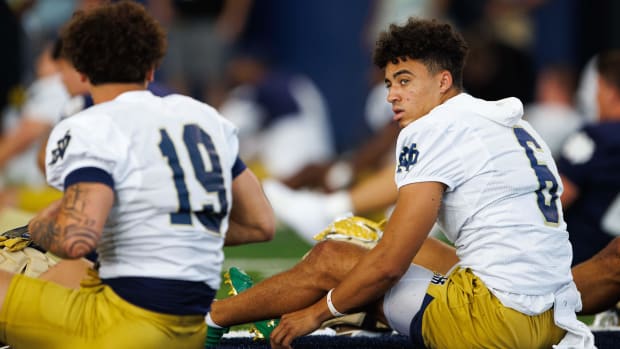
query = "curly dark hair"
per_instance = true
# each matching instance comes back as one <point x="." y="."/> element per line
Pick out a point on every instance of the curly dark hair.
<point x="437" y="45"/>
<point x="114" y="43"/>
<point x="608" y="66"/>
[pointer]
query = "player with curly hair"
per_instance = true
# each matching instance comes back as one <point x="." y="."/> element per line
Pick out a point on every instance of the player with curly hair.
<point x="149" y="183"/>
<point x="489" y="181"/>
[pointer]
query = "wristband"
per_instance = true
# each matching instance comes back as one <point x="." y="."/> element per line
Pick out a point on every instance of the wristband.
<point x="331" y="307"/>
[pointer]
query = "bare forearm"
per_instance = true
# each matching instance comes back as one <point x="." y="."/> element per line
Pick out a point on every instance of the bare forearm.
<point x="376" y="193"/>
<point x="9" y="148"/>
<point x="251" y="217"/>
<point x="26" y="134"/>
<point x="67" y="228"/>
<point x="69" y="242"/>
<point x="242" y="234"/>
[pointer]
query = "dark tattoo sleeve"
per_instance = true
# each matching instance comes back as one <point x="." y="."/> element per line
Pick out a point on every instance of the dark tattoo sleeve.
<point x="73" y="236"/>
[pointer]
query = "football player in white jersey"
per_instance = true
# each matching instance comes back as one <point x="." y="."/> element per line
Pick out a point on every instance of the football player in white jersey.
<point x="485" y="176"/>
<point x="154" y="184"/>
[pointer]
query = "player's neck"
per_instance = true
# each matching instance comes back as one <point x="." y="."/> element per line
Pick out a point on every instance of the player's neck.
<point x="107" y="92"/>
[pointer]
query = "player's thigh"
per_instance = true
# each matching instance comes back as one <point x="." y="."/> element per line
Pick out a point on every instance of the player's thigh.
<point x="403" y="301"/>
<point x="34" y="312"/>
<point x="5" y="281"/>
<point x="43" y="314"/>
<point x="463" y="310"/>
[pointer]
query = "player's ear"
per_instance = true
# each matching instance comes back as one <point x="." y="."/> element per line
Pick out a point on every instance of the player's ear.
<point x="445" y="81"/>
<point x="150" y="75"/>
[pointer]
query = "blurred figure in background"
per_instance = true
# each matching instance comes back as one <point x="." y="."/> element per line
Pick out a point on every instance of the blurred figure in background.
<point x="360" y="182"/>
<point x="553" y="115"/>
<point x="282" y="117"/>
<point x="201" y="35"/>
<point x="25" y="128"/>
<point x="12" y="61"/>
<point x="348" y="168"/>
<point x="590" y="168"/>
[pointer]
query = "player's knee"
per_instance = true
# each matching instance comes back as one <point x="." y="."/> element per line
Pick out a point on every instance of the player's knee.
<point x="329" y="260"/>
<point x="324" y="251"/>
<point x="615" y="245"/>
<point x="612" y="250"/>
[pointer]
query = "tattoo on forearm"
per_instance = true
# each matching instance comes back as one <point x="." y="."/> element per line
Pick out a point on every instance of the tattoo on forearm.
<point x="75" y="236"/>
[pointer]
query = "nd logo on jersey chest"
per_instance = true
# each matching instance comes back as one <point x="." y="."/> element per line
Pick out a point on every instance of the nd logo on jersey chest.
<point x="407" y="158"/>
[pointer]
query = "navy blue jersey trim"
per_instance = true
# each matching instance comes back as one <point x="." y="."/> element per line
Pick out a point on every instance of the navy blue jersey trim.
<point x="89" y="174"/>
<point x="176" y="297"/>
<point x="415" y="329"/>
<point x="238" y="167"/>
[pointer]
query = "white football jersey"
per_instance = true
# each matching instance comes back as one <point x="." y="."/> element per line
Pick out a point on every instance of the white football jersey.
<point x="501" y="207"/>
<point x="171" y="160"/>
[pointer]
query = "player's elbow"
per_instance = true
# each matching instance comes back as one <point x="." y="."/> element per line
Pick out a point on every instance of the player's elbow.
<point x="267" y="229"/>
<point x="391" y="273"/>
<point x="390" y="268"/>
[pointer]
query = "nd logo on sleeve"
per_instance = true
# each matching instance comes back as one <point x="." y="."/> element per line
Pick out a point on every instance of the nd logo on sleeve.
<point x="61" y="146"/>
<point x="407" y="158"/>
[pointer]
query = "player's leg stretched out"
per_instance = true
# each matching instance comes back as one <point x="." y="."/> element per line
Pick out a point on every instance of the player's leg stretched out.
<point x="321" y="270"/>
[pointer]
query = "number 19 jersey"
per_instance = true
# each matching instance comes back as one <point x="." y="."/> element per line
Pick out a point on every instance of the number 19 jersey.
<point x="171" y="160"/>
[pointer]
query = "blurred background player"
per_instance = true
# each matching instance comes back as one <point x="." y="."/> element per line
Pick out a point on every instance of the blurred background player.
<point x="201" y="35"/>
<point x="590" y="168"/>
<point x="25" y="126"/>
<point x="282" y="117"/>
<point x="553" y="114"/>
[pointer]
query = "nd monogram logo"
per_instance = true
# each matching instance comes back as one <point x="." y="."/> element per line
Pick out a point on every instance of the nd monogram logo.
<point x="407" y="158"/>
<point x="62" y="145"/>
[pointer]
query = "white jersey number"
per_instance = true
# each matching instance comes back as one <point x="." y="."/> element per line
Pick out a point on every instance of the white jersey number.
<point x="212" y="181"/>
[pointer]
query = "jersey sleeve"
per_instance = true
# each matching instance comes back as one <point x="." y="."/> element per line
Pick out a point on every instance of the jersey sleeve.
<point x="83" y="142"/>
<point x="577" y="157"/>
<point x="429" y="154"/>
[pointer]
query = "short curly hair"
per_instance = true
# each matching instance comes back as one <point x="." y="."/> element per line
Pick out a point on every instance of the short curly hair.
<point x="114" y="43"/>
<point x="437" y="45"/>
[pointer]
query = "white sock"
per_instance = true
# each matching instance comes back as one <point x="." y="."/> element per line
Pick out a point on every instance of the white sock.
<point x="210" y="321"/>
<point x="338" y="204"/>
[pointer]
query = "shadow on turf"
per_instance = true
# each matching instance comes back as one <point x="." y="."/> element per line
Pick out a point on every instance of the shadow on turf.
<point x="604" y="340"/>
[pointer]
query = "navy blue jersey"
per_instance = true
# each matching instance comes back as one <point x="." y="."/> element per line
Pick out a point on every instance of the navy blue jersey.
<point x="591" y="160"/>
<point x="273" y="95"/>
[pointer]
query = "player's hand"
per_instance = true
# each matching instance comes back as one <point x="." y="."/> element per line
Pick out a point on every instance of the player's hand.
<point x="293" y="325"/>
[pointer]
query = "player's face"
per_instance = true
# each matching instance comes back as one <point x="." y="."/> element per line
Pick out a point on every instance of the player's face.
<point x="413" y="91"/>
